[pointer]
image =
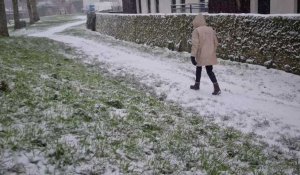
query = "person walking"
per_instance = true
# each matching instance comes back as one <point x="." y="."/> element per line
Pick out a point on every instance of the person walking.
<point x="203" y="53"/>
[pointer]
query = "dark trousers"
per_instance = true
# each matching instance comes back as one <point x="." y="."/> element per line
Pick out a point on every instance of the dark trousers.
<point x="210" y="73"/>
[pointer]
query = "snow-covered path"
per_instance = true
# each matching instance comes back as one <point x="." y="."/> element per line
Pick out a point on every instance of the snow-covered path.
<point x="253" y="99"/>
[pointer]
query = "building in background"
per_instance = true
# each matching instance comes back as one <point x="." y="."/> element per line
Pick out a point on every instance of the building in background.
<point x="47" y="7"/>
<point x="54" y="7"/>
<point x="217" y="6"/>
<point x="229" y="6"/>
<point x="103" y="5"/>
<point x="9" y="9"/>
<point x="129" y="6"/>
<point x="254" y="6"/>
<point x="171" y="6"/>
<point x="275" y="6"/>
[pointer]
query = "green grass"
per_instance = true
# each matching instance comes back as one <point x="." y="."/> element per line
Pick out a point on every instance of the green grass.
<point x="65" y="115"/>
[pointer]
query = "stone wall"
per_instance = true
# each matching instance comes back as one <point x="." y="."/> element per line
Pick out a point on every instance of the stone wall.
<point x="273" y="41"/>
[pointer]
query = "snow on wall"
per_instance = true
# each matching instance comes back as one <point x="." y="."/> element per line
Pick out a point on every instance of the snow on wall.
<point x="273" y="41"/>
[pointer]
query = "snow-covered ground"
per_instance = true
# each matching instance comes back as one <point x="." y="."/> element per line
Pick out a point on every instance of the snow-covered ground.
<point x="254" y="99"/>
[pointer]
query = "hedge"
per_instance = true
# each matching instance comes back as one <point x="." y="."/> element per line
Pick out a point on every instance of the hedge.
<point x="272" y="41"/>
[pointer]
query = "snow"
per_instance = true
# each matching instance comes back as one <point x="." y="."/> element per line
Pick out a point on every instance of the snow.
<point x="55" y="30"/>
<point x="253" y="100"/>
<point x="292" y="15"/>
<point x="31" y="163"/>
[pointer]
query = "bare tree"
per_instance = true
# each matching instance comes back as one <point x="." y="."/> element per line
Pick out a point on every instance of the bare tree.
<point x="3" y="21"/>
<point x="34" y="11"/>
<point x="16" y="14"/>
<point x="29" y="8"/>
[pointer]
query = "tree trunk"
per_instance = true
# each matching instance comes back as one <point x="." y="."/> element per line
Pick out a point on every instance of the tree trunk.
<point x="34" y="11"/>
<point x="238" y="5"/>
<point x="16" y="14"/>
<point x="30" y="12"/>
<point x="3" y="21"/>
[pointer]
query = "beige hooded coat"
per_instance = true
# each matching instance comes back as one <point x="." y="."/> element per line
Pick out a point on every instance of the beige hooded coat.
<point x="204" y="42"/>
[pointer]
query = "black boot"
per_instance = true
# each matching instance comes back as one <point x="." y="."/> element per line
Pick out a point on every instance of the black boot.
<point x="217" y="90"/>
<point x="195" y="86"/>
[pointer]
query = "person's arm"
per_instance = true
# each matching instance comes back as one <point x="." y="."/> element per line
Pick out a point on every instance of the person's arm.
<point x="216" y="43"/>
<point x="195" y="46"/>
<point x="195" y="43"/>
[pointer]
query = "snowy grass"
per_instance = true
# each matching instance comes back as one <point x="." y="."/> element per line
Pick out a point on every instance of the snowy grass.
<point x="234" y="77"/>
<point x="44" y="23"/>
<point x="61" y="116"/>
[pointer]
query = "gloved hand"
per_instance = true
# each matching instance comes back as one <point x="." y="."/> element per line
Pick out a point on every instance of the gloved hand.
<point x="193" y="59"/>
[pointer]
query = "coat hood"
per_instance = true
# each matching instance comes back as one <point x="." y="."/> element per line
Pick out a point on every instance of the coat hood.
<point x="199" y="21"/>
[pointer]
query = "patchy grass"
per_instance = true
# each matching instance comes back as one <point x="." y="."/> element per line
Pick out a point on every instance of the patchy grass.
<point x="44" y="23"/>
<point x="58" y="115"/>
<point x="50" y="21"/>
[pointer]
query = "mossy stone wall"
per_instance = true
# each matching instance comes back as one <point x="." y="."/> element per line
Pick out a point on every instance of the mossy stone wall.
<point x="273" y="41"/>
